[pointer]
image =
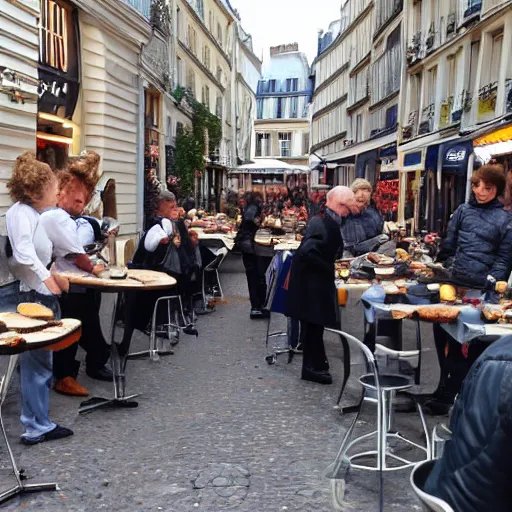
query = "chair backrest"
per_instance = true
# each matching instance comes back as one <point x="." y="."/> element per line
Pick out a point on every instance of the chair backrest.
<point x="219" y="258"/>
<point x="418" y="479"/>
<point x="367" y="353"/>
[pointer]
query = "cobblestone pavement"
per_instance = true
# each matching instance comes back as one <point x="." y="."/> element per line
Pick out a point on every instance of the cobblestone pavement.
<point x="216" y="429"/>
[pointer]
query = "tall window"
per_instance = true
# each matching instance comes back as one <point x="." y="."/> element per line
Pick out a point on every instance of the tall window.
<point x="53" y="36"/>
<point x="179" y="23"/>
<point x="191" y="39"/>
<point x="271" y="86"/>
<point x="191" y="81"/>
<point x="218" y="106"/>
<point x="219" y="34"/>
<point x="210" y="21"/>
<point x="431" y="86"/>
<point x="285" y="144"/>
<point x="263" y="144"/>
<point x="497" y="45"/>
<point x="294" y="105"/>
<point x="452" y="76"/>
<point x="259" y="108"/>
<point x="206" y="56"/>
<point x="206" y="96"/>
<point x="218" y="74"/>
<point x="359" y="128"/>
<point x="279" y="108"/>
<point x="305" y="143"/>
<point x="179" y="66"/>
<point x="475" y="52"/>
<point x="200" y="8"/>
<point x="292" y="84"/>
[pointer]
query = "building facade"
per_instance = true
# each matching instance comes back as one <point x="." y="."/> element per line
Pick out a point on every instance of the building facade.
<point x="457" y="92"/>
<point x="282" y="125"/>
<point x="356" y="96"/>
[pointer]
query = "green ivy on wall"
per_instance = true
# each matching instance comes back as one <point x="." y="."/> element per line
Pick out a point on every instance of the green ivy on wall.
<point x="191" y="141"/>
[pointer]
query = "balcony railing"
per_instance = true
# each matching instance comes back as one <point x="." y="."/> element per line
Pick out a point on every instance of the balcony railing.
<point x="508" y="95"/>
<point x="427" y="119"/>
<point x="410" y="129"/>
<point x="414" y="49"/>
<point x="142" y="6"/>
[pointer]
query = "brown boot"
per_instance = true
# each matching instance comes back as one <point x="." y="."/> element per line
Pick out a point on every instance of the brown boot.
<point x="69" y="386"/>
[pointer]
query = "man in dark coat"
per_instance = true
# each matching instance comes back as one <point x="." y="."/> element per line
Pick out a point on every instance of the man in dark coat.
<point x="476" y="468"/>
<point x="311" y="290"/>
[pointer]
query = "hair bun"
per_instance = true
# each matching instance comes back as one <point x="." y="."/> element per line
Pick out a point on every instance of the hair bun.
<point x="25" y="158"/>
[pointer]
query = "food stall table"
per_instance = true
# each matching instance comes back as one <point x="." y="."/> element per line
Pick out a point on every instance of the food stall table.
<point x="55" y="337"/>
<point x="136" y="281"/>
<point x="215" y="241"/>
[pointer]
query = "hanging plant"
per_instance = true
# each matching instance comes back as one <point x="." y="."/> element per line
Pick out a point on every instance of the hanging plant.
<point x="194" y="143"/>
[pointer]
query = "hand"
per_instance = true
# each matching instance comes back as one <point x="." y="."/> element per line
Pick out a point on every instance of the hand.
<point x="165" y="240"/>
<point x="62" y="282"/>
<point x="52" y="285"/>
<point x="114" y="232"/>
<point x="177" y="241"/>
<point x="98" y="269"/>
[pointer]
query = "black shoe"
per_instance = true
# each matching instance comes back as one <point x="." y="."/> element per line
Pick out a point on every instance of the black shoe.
<point x="57" y="433"/>
<point x="256" y="314"/>
<point x="102" y="373"/>
<point x="265" y="313"/>
<point x="440" y="403"/>
<point x="322" y="377"/>
<point x="190" y="329"/>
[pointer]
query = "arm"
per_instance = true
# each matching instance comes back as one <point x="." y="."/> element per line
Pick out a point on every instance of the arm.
<point x="503" y="263"/>
<point x="450" y="242"/>
<point x="311" y="249"/>
<point x="158" y="234"/>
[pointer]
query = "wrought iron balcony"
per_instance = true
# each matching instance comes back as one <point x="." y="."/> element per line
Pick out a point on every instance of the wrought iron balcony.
<point x="142" y="6"/>
<point x="508" y="95"/>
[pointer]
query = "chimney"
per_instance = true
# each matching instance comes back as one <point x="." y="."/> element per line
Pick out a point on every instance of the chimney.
<point x="320" y="37"/>
<point x="284" y="48"/>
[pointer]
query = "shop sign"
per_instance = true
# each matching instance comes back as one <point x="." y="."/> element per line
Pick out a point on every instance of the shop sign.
<point x="455" y="155"/>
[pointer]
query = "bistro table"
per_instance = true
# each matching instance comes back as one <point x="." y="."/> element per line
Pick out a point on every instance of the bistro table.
<point x="135" y="282"/>
<point x="50" y="338"/>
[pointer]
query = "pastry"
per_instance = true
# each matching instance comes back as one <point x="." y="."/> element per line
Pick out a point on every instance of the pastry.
<point x="35" y="310"/>
<point x="3" y="327"/>
<point x="400" y="315"/>
<point x="447" y="293"/>
<point x="402" y="255"/>
<point x="441" y="314"/>
<point x="492" y="314"/>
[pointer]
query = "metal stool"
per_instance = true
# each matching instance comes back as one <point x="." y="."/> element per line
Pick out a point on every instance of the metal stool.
<point x="212" y="269"/>
<point x="383" y="389"/>
<point x="172" y="329"/>
<point x="419" y="476"/>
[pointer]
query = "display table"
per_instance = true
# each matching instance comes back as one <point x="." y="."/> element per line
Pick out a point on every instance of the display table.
<point x="137" y="281"/>
<point x="215" y="240"/>
<point x="51" y="338"/>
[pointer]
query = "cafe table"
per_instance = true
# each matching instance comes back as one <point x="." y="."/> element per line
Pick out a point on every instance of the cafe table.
<point x="136" y="281"/>
<point x="52" y="338"/>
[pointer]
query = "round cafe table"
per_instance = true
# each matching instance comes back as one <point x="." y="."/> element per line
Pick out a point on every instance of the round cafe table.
<point x="136" y="281"/>
<point x="49" y="338"/>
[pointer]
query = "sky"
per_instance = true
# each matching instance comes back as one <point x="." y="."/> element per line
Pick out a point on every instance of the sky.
<point x="275" y="22"/>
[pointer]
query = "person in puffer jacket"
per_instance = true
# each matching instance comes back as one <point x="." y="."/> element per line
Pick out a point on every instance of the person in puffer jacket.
<point x="478" y="244"/>
<point x="479" y="238"/>
<point x="475" y="470"/>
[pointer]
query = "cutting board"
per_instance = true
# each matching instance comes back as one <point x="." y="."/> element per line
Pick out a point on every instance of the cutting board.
<point x="16" y="322"/>
<point x="136" y="280"/>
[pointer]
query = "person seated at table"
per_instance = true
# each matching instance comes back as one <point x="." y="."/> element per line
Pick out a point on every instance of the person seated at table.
<point x="63" y="225"/>
<point x="252" y="218"/>
<point x="478" y="244"/>
<point x="34" y="187"/>
<point x="363" y="232"/>
<point x="474" y="472"/>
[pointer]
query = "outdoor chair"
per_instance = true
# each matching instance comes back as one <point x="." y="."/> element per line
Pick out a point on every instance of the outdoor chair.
<point x="212" y="269"/>
<point x="378" y="388"/>
<point x="175" y="323"/>
<point x="419" y="476"/>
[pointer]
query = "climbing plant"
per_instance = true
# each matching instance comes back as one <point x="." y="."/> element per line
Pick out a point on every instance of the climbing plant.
<point x="191" y="141"/>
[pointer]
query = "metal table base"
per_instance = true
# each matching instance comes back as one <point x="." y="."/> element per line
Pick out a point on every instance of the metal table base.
<point x="19" y="474"/>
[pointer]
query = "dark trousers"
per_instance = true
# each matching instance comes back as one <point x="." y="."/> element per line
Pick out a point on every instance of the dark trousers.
<point x="312" y="339"/>
<point x="255" y="268"/>
<point x="454" y="366"/>
<point x="84" y="307"/>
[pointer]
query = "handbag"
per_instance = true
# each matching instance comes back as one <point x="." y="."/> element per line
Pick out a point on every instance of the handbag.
<point x="171" y="263"/>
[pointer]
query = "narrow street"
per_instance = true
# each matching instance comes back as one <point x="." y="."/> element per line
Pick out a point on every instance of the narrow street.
<point x="216" y="429"/>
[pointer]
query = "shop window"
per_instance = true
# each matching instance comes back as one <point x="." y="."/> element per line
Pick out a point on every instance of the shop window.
<point x="263" y="144"/>
<point x="285" y="144"/>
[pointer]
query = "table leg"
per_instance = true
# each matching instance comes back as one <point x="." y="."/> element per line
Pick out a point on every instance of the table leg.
<point x="19" y="474"/>
<point x="118" y="357"/>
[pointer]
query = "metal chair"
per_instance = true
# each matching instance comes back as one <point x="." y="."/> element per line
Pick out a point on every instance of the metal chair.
<point x="175" y="323"/>
<point x="382" y="389"/>
<point x="213" y="269"/>
<point x="419" y="476"/>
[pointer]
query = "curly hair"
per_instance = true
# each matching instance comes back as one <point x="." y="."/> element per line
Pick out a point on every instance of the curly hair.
<point x="491" y="175"/>
<point x="30" y="178"/>
<point x="361" y="184"/>
<point x="84" y="168"/>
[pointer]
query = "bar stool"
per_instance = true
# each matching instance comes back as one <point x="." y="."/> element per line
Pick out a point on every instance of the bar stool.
<point x="175" y="323"/>
<point x="213" y="269"/>
<point x="380" y="389"/>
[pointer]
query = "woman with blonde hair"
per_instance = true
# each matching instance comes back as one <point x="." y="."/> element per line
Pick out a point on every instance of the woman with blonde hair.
<point x="34" y="187"/>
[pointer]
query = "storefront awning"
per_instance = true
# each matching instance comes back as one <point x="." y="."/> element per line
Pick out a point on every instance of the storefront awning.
<point x="270" y="166"/>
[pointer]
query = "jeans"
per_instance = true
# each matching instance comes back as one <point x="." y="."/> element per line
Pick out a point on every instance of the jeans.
<point x="36" y="378"/>
<point x="9" y="297"/>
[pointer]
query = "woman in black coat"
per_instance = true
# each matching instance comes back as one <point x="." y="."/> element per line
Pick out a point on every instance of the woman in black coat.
<point x="255" y="266"/>
<point x="311" y="294"/>
<point x="478" y="244"/>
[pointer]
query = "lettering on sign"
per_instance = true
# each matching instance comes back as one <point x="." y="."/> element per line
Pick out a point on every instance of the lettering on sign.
<point x="53" y="36"/>
<point x="456" y="155"/>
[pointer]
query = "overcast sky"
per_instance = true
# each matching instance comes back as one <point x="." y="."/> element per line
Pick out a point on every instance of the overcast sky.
<point x="274" y="22"/>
